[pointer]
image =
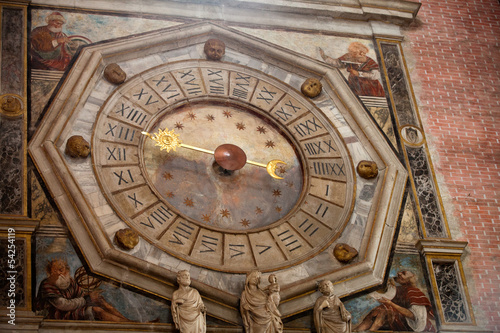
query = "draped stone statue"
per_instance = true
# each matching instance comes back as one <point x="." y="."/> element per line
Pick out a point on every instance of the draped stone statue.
<point x="188" y="310"/>
<point x="330" y="315"/>
<point x="259" y="307"/>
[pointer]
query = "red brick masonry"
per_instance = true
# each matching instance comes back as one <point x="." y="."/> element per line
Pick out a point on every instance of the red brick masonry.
<point x="456" y="47"/>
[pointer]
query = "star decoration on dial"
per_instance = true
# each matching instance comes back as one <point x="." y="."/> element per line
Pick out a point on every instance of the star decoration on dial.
<point x="240" y="126"/>
<point x="225" y="213"/>
<point x="258" y="210"/>
<point x="206" y="217"/>
<point x="270" y="144"/>
<point x="169" y="194"/>
<point x="189" y="202"/>
<point x="179" y="125"/>
<point x="245" y="223"/>
<point x="278" y="209"/>
<point x="276" y="193"/>
<point x="261" y="129"/>
<point x="281" y="169"/>
<point x="168" y="176"/>
<point x="227" y="114"/>
<point x="210" y="117"/>
<point x="191" y="116"/>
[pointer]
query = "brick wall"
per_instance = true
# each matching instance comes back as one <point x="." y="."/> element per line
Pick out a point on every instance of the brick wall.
<point x="455" y="46"/>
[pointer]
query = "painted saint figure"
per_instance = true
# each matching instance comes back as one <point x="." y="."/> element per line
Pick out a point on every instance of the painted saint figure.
<point x="258" y="308"/>
<point x="60" y="297"/>
<point x="188" y="310"/>
<point x="363" y="71"/>
<point x="48" y="45"/>
<point x="330" y="315"/>
<point x="409" y="310"/>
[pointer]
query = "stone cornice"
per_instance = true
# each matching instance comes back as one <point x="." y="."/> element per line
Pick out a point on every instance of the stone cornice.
<point x="333" y="16"/>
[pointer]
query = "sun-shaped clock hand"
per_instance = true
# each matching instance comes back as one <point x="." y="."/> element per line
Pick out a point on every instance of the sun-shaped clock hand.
<point x="228" y="156"/>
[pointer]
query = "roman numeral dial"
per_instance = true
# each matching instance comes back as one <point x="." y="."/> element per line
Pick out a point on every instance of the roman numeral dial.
<point x="187" y="204"/>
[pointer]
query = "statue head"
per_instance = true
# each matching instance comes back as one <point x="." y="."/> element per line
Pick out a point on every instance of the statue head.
<point x="114" y="74"/>
<point x="183" y="278"/>
<point x="214" y="49"/>
<point x="253" y="278"/>
<point x="367" y="169"/>
<point x="326" y="287"/>
<point x="77" y="146"/>
<point x="311" y="87"/>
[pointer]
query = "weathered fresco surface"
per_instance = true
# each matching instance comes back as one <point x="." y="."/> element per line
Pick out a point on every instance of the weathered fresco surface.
<point x="112" y="299"/>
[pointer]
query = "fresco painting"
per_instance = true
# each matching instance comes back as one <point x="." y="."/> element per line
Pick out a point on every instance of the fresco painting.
<point x="51" y="48"/>
<point x="405" y="288"/>
<point x="65" y="291"/>
<point x="374" y="99"/>
<point x="55" y="38"/>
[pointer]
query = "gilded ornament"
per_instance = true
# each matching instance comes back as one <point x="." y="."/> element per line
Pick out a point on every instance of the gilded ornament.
<point x="77" y="146"/>
<point x="10" y="105"/>
<point x="165" y="139"/>
<point x="344" y="253"/>
<point x="127" y="239"/>
<point x="311" y="87"/>
<point x="215" y="49"/>
<point x="367" y="169"/>
<point x="114" y="74"/>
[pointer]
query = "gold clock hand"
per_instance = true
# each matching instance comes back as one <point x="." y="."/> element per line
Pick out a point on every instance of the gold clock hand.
<point x="228" y="156"/>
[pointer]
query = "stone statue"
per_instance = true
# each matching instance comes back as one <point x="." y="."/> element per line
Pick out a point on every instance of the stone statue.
<point x="273" y="291"/>
<point x="114" y="74"/>
<point x="188" y="310"/>
<point x="214" y="49"/>
<point x="77" y="146"/>
<point x="311" y="87"/>
<point x="330" y="315"/>
<point x="259" y="309"/>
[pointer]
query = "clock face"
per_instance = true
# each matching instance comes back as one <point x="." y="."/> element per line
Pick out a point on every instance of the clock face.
<point x="186" y="204"/>
<point x="196" y="186"/>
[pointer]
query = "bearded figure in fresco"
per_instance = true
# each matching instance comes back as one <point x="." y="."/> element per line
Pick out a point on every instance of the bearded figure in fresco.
<point x="60" y="297"/>
<point x="258" y="307"/>
<point x="363" y="70"/>
<point x="409" y="310"/>
<point x="330" y="314"/>
<point x="48" y="42"/>
<point x="188" y="310"/>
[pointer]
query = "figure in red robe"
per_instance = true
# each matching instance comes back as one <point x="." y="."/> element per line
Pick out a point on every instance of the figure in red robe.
<point x="409" y="310"/>
<point x="48" y="42"/>
<point x="60" y="297"/>
<point x="363" y="71"/>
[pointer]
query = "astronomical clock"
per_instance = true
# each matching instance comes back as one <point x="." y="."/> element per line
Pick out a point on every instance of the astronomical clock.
<point x="220" y="166"/>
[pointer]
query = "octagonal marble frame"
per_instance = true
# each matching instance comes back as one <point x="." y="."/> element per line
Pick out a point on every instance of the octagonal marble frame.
<point x="76" y="104"/>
